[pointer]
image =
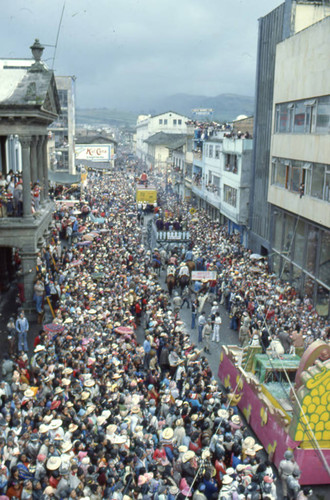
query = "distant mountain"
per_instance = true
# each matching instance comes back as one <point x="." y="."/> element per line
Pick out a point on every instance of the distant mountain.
<point x="226" y="107"/>
<point x="104" y="116"/>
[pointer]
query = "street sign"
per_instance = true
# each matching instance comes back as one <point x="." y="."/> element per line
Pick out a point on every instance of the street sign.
<point x="204" y="275"/>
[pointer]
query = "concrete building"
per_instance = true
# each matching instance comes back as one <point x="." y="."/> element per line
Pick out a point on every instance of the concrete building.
<point x="63" y="130"/>
<point x="221" y="177"/>
<point x="283" y="22"/>
<point x="147" y="126"/>
<point x="29" y="103"/>
<point x="299" y="171"/>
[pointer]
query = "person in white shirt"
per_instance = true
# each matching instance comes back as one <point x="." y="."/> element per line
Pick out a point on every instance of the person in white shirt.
<point x="216" y="328"/>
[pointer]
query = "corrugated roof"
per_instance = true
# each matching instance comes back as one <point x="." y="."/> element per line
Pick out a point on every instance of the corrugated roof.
<point x="171" y="141"/>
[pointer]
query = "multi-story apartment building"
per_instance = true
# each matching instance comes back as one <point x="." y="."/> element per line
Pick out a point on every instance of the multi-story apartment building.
<point x="220" y="181"/>
<point x="299" y="171"/>
<point x="63" y="129"/>
<point x="283" y="22"/>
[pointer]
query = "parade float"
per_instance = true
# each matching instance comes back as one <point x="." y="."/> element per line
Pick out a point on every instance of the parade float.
<point x="286" y="401"/>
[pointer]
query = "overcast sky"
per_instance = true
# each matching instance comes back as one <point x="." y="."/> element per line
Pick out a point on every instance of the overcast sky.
<point x="124" y="51"/>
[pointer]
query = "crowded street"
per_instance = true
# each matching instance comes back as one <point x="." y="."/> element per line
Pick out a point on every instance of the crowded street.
<point x="117" y="396"/>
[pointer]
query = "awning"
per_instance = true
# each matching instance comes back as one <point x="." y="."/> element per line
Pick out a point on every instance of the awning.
<point x="95" y="165"/>
<point x="63" y="177"/>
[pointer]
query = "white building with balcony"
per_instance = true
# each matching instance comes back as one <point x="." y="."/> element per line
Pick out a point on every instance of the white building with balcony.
<point x="299" y="172"/>
<point x="147" y="126"/>
<point x="221" y="180"/>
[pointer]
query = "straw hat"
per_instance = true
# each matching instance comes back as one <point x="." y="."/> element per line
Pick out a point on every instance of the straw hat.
<point x="248" y="442"/>
<point x="66" y="381"/>
<point x="28" y="393"/>
<point x="188" y="456"/>
<point x="58" y="390"/>
<point x="111" y="429"/>
<point x="90" y="410"/>
<point x="67" y="371"/>
<point x="53" y="463"/>
<point x="135" y="409"/>
<point x="183" y="448"/>
<point x="241" y="467"/>
<point x="89" y="383"/>
<point x="106" y="414"/>
<point x="223" y="414"/>
<point x="85" y="395"/>
<point x="39" y="348"/>
<point x="100" y="420"/>
<point x="43" y="429"/>
<point x="55" y="424"/>
<point x="167" y="433"/>
<point x="227" y="479"/>
<point x="73" y="427"/>
<point x="236" y="420"/>
<point x="66" y="446"/>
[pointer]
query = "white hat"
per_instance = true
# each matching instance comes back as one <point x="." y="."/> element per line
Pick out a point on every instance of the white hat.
<point x="55" y="424"/>
<point x="53" y="463"/>
<point x="227" y="479"/>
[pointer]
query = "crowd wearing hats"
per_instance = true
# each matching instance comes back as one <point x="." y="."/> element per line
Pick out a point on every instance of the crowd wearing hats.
<point x="93" y="414"/>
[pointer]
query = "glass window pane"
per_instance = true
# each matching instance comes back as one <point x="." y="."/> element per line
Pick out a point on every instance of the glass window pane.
<point x="299" y="243"/>
<point x="288" y="234"/>
<point x="276" y="264"/>
<point x="283" y="125"/>
<point x="317" y="181"/>
<point x="297" y="278"/>
<point x="323" y="115"/>
<point x="299" y="117"/>
<point x="312" y="241"/>
<point x="324" y="269"/>
<point x="295" y="179"/>
<point x="278" y="228"/>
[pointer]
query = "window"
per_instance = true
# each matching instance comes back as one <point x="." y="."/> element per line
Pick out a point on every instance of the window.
<point x="210" y="151"/>
<point x="174" y="122"/>
<point x="217" y="152"/>
<point x="179" y="122"/>
<point x="165" y="121"/>
<point x="303" y="117"/>
<point x="279" y="173"/>
<point x="231" y="163"/>
<point x="323" y="115"/>
<point x="230" y="195"/>
<point x="160" y="121"/>
<point x="317" y="181"/>
<point x="299" y="117"/>
<point x="324" y="270"/>
<point x="299" y="242"/>
<point x="293" y="174"/>
<point x="63" y="97"/>
<point x="312" y="242"/>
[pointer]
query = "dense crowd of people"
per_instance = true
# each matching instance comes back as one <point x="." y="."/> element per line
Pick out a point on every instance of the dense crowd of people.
<point x="95" y="414"/>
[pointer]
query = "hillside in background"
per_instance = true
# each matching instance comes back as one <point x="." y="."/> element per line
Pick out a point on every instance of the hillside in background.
<point x="226" y="107"/>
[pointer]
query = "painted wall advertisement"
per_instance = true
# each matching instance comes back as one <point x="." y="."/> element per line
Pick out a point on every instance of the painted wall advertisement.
<point x="93" y="152"/>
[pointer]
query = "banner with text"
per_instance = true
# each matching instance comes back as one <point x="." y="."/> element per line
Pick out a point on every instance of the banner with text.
<point x="93" y="152"/>
<point x="204" y="275"/>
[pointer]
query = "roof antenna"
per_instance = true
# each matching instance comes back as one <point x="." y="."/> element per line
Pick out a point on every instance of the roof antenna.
<point x="57" y="36"/>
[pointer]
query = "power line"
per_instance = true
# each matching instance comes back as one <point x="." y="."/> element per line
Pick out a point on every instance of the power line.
<point x="58" y="34"/>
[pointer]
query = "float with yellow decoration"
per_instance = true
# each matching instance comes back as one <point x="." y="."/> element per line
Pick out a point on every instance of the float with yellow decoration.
<point x="286" y="400"/>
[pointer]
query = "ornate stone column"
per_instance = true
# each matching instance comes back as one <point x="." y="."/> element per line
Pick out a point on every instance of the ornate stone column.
<point x="25" y="141"/>
<point x="40" y="165"/>
<point x="33" y="159"/>
<point x="28" y="262"/>
<point x="45" y="167"/>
